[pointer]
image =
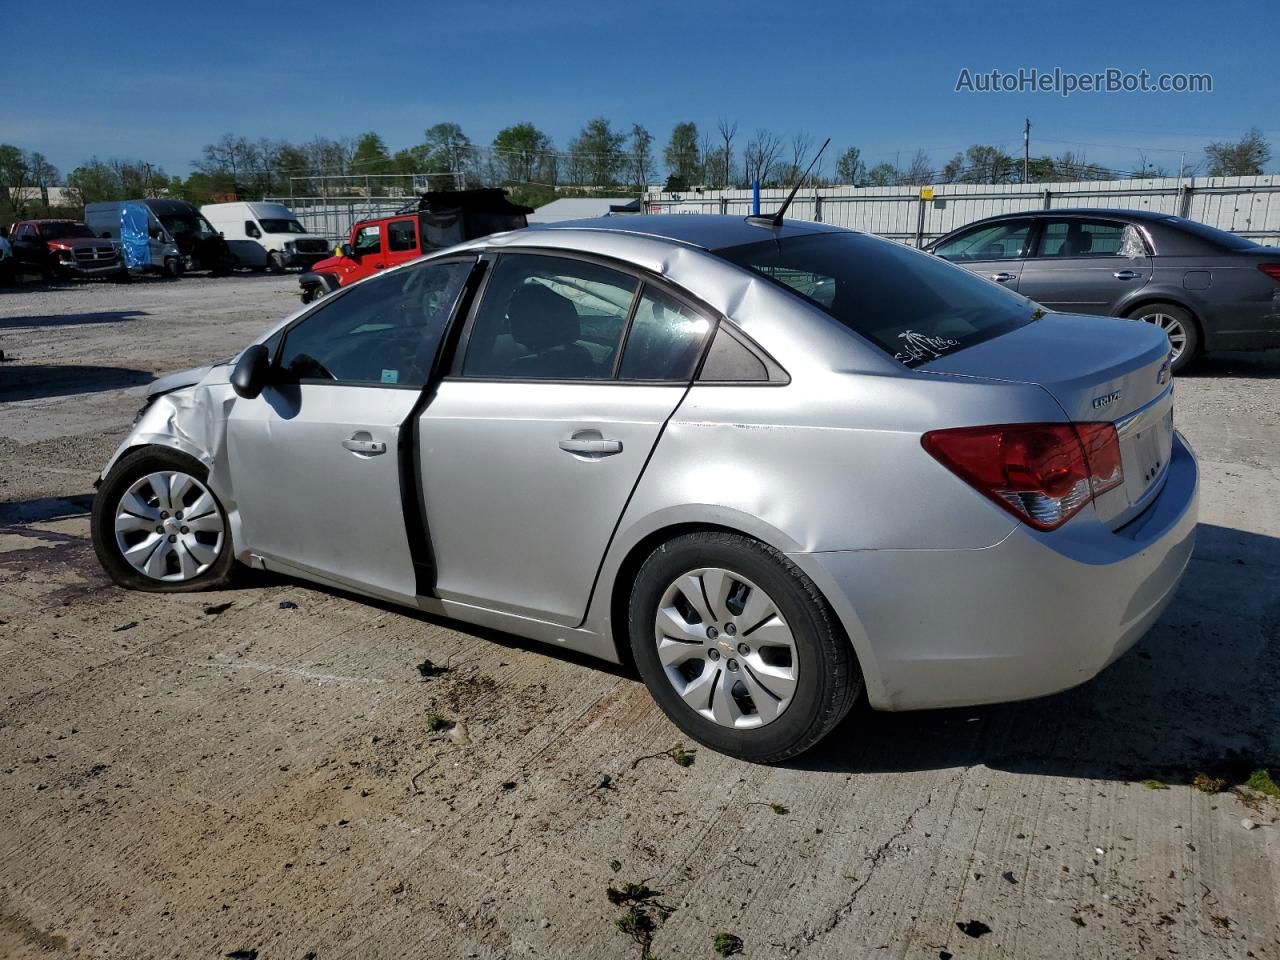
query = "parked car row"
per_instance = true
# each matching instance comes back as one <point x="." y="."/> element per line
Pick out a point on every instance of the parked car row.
<point x="118" y="239"/>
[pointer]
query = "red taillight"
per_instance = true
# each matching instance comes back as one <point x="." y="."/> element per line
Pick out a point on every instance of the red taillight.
<point x="1043" y="473"/>
<point x="1272" y="270"/>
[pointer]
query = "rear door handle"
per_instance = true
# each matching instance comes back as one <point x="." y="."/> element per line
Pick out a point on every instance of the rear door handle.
<point x="363" y="444"/>
<point x="589" y="443"/>
<point x="1126" y="275"/>
<point x="1004" y="277"/>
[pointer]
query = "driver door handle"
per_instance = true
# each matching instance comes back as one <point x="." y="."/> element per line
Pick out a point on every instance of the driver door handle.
<point x="361" y="443"/>
<point x="1004" y="277"/>
<point x="591" y="447"/>
<point x="1126" y="275"/>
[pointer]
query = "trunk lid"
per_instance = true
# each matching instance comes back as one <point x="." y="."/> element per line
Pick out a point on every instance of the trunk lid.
<point x="1098" y="369"/>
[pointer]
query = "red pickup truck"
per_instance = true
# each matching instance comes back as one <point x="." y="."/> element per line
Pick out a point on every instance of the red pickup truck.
<point x="438" y="219"/>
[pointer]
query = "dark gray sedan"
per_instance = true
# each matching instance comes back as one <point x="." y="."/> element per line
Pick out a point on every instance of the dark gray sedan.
<point x="1206" y="288"/>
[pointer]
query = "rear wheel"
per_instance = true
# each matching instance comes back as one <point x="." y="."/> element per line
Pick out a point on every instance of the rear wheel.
<point x="739" y="648"/>
<point x="1180" y="327"/>
<point x="158" y="527"/>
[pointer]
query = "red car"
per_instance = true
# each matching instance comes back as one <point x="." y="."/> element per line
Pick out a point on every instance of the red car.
<point x="56" y="249"/>
<point x="439" y="219"/>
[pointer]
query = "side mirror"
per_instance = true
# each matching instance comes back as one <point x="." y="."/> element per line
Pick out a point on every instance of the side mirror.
<point x="250" y="374"/>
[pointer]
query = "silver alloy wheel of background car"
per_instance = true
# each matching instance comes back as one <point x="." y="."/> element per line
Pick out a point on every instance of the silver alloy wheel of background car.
<point x="725" y="648"/>
<point x="1173" y="329"/>
<point x="168" y="526"/>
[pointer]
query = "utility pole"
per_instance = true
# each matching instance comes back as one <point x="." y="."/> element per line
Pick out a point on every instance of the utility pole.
<point x="1026" y="150"/>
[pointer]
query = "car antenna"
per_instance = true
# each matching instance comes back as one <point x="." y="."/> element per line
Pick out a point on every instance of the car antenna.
<point x="776" y="219"/>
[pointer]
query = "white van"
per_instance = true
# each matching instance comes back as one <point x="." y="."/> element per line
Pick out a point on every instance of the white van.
<point x="266" y="235"/>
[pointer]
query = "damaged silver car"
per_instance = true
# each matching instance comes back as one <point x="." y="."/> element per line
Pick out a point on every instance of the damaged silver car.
<point x="777" y="466"/>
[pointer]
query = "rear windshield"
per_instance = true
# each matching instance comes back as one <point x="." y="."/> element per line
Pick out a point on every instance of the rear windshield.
<point x="913" y="306"/>
<point x="1202" y="231"/>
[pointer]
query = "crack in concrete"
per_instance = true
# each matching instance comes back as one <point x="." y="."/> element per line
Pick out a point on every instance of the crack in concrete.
<point x="874" y="859"/>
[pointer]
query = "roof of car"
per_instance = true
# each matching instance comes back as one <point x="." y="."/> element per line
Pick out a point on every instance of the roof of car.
<point x="50" y="220"/>
<point x="709" y="231"/>
<point x="1148" y="215"/>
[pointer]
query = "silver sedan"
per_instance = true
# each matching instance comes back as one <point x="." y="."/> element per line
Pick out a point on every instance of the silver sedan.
<point x="776" y="467"/>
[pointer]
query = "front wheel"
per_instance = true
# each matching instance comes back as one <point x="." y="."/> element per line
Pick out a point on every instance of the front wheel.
<point x="739" y="647"/>
<point x="275" y="262"/>
<point x="174" y="268"/>
<point x="1179" y="326"/>
<point x="158" y="527"/>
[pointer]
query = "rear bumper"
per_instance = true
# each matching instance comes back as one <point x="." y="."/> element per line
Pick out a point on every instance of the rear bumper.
<point x="1032" y="615"/>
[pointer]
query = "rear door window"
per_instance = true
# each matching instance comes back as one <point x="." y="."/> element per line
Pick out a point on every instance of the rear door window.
<point x="1082" y="238"/>
<point x="913" y="306"/>
<point x="549" y="318"/>
<point x="665" y="339"/>
<point x="402" y="236"/>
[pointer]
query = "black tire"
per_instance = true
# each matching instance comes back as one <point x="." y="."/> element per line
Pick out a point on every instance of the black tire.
<point x="131" y="468"/>
<point x="312" y="292"/>
<point x="1192" y="345"/>
<point x="275" y="262"/>
<point x="174" y="268"/>
<point x="124" y="276"/>
<point x="828" y="681"/>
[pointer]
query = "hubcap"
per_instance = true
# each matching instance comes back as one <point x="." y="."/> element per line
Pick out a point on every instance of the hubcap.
<point x="1173" y="329"/>
<point x="726" y="649"/>
<point x="168" y="526"/>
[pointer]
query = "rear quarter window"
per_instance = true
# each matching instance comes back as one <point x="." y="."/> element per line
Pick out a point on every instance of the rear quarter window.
<point x="911" y="305"/>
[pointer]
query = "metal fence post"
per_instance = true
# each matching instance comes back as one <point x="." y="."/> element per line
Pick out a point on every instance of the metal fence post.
<point x="1184" y="198"/>
<point x="920" y="223"/>
<point x="817" y="205"/>
<point x="1048" y="199"/>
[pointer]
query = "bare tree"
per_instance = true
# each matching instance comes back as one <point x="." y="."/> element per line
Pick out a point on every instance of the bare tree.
<point x="801" y="145"/>
<point x="919" y="171"/>
<point x="761" y="155"/>
<point x="640" y="159"/>
<point x="707" y="166"/>
<point x="727" y="132"/>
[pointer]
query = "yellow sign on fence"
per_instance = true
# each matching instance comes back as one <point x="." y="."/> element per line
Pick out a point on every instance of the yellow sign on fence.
<point x="926" y="193"/>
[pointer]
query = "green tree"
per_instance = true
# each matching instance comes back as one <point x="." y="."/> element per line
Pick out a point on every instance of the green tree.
<point x="448" y="149"/>
<point x="596" y="154"/>
<point x="1242" y="158"/>
<point x="882" y="175"/>
<point x="987" y="164"/>
<point x="92" y="182"/>
<point x="370" y="156"/>
<point x="520" y="153"/>
<point x="681" y="154"/>
<point x="850" y="168"/>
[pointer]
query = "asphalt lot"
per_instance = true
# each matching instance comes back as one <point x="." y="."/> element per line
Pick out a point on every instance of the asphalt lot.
<point x="193" y="775"/>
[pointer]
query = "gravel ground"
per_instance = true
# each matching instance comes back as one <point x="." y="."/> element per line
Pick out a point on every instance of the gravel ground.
<point x="194" y="775"/>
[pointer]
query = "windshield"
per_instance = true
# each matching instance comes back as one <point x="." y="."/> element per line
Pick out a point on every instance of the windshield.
<point x="1219" y="238"/>
<point x="186" y="224"/>
<point x="913" y="306"/>
<point x="64" y="231"/>
<point x="282" y="226"/>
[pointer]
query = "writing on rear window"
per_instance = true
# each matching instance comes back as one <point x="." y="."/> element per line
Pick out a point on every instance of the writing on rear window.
<point x="918" y="347"/>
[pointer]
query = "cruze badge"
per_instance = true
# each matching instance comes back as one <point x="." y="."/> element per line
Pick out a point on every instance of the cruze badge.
<point x="1106" y="400"/>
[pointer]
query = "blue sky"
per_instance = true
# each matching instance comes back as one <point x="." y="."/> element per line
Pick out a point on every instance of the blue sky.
<point x="158" y="85"/>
